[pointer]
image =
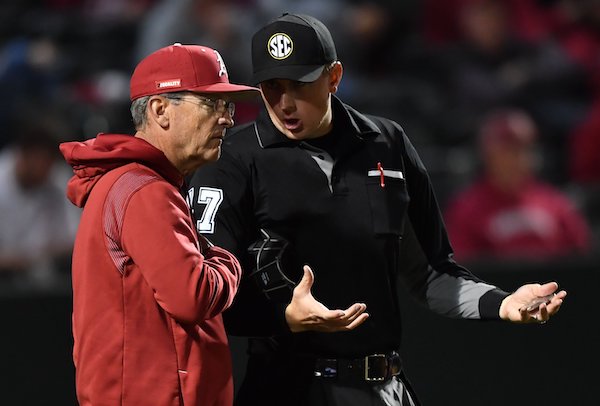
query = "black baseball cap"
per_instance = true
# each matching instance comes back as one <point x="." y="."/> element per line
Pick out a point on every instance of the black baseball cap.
<point x="293" y="46"/>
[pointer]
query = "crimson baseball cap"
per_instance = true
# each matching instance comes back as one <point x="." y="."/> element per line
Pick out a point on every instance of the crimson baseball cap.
<point x="179" y="68"/>
<point x="293" y="46"/>
<point x="508" y="127"/>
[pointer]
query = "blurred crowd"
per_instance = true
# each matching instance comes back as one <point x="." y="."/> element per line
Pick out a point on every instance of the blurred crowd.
<point x="500" y="97"/>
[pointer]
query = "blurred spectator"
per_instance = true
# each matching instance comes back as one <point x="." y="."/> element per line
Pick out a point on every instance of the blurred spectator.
<point x="489" y="66"/>
<point x="508" y="213"/>
<point x="371" y="35"/>
<point x="584" y="155"/>
<point x="28" y="70"/>
<point x="530" y="20"/>
<point x="584" y="165"/>
<point x="579" y="36"/>
<point x="37" y="223"/>
<point x="226" y="25"/>
<point x="437" y="72"/>
<point x="372" y="39"/>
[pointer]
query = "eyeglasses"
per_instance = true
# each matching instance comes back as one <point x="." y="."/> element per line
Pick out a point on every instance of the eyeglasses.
<point x="218" y="105"/>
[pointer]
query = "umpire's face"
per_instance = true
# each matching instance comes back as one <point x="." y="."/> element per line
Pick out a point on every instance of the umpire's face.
<point x="302" y="110"/>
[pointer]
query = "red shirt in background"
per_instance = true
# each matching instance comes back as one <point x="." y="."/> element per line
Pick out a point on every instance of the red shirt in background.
<point x="538" y="223"/>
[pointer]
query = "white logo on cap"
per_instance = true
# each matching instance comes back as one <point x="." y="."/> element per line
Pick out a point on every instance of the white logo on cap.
<point x="168" y="83"/>
<point x="222" y="69"/>
<point x="280" y="46"/>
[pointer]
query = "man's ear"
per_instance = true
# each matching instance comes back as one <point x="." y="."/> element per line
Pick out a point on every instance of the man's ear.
<point x="158" y="111"/>
<point x="335" y="76"/>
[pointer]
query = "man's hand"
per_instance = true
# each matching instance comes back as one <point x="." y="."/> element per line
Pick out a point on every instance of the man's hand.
<point x="306" y="313"/>
<point x="514" y="307"/>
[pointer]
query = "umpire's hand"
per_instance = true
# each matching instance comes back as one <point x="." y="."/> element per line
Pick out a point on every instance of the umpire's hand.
<point x="515" y="306"/>
<point x="306" y="313"/>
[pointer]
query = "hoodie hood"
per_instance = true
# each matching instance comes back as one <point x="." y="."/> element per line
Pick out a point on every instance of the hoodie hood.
<point x="93" y="158"/>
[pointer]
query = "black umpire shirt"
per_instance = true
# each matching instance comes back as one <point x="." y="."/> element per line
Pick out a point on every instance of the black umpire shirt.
<point x="358" y="207"/>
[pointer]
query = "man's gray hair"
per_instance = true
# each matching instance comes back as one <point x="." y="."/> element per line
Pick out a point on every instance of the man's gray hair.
<point x="139" y="106"/>
<point x="138" y="112"/>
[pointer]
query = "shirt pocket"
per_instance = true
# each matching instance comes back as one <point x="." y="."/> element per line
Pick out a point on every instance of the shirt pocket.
<point x="388" y="204"/>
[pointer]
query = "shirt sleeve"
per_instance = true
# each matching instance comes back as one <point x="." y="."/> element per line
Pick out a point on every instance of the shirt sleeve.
<point x="435" y="278"/>
<point x="158" y="236"/>
<point x="234" y="227"/>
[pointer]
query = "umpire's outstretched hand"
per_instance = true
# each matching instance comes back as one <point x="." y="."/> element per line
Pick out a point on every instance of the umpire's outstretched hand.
<point x="306" y="313"/>
<point x="516" y="307"/>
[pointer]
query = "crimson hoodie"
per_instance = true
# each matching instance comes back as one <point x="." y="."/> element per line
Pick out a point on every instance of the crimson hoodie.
<point x="147" y="296"/>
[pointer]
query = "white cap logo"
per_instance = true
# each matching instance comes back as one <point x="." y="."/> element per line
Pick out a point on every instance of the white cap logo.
<point x="222" y="68"/>
<point x="280" y="46"/>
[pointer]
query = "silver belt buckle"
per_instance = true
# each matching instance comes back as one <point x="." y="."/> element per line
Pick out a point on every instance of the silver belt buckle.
<point x="368" y="366"/>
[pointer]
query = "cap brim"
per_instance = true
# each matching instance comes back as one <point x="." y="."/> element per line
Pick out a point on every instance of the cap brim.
<point x="300" y="73"/>
<point x="233" y="90"/>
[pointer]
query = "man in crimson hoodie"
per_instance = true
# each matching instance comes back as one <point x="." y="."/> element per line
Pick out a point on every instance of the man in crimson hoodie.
<point x="509" y="212"/>
<point x="147" y="292"/>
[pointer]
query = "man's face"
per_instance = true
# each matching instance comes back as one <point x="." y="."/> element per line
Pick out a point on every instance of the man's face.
<point x="198" y="128"/>
<point x="509" y="166"/>
<point x="300" y="110"/>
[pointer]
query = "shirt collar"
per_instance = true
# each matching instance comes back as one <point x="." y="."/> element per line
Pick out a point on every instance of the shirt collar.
<point x="348" y="119"/>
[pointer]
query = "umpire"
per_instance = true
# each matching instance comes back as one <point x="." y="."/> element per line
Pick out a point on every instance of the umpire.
<point x="313" y="181"/>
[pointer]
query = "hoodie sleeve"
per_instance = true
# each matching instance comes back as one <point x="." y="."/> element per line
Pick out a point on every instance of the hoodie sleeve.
<point x="158" y="236"/>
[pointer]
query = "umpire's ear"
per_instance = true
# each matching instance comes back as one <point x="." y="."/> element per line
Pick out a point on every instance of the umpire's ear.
<point x="336" y="72"/>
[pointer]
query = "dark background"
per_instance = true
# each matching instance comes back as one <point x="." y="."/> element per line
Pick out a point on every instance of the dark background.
<point x="449" y="362"/>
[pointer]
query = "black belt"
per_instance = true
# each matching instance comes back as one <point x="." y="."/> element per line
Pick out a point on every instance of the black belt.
<point x="372" y="368"/>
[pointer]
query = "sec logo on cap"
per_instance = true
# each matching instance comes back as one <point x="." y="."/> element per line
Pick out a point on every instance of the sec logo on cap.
<point x="280" y="46"/>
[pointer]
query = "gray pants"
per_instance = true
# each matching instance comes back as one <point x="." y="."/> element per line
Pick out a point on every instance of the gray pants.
<point x="391" y="393"/>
